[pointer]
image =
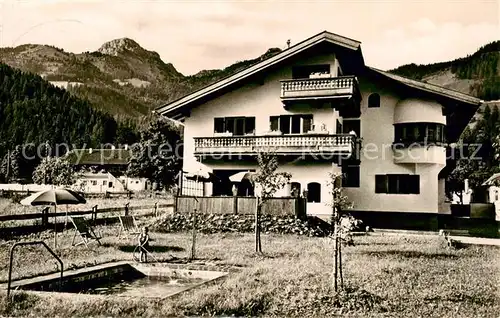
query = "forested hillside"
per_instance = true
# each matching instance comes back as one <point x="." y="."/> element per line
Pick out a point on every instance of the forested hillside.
<point x="120" y="78"/>
<point x="480" y="72"/>
<point x="33" y="112"/>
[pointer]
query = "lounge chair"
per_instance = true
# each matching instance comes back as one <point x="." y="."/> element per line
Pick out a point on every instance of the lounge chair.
<point x="83" y="228"/>
<point x="128" y="226"/>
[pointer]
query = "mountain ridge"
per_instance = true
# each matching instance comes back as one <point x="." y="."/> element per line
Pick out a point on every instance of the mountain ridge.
<point x="128" y="81"/>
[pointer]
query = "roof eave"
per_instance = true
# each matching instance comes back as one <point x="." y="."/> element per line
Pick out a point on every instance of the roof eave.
<point x="348" y="43"/>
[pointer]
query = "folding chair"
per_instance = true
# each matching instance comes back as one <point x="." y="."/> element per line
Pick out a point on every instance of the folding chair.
<point x="86" y="232"/>
<point x="128" y="226"/>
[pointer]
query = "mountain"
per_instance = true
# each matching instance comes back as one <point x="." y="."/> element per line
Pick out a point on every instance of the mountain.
<point x="121" y="77"/>
<point x="477" y="74"/>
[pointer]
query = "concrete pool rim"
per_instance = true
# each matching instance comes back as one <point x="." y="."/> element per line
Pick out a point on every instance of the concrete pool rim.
<point x="212" y="273"/>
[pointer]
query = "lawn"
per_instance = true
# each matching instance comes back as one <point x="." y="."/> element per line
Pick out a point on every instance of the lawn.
<point x="385" y="276"/>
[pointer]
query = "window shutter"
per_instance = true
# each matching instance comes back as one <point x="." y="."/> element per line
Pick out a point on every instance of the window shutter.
<point x="249" y="125"/>
<point x="307" y="123"/>
<point x="285" y="124"/>
<point x="230" y="124"/>
<point x="219" y="125"/>
<point x="414" y="181"/>
<point x="274" y="121"/>
<point x="380" y="183"/>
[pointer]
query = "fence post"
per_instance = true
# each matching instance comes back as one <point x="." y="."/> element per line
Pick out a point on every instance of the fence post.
<point x="126" y="208"/>
<point x="156" y="209"/>
<point x="45" y="217"/>
<point x="94" y="213"/>
<point x="235" y="205"/>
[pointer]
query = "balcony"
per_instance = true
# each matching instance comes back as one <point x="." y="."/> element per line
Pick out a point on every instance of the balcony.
<point x="306" y="144"/>
<point x="320" y="88"/>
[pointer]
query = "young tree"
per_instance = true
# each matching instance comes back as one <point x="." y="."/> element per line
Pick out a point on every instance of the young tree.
<point x="269" y="182"/>
<point x="54" y="170"/>
<point x="157" y="157"/>
<point x="339" y="203"/>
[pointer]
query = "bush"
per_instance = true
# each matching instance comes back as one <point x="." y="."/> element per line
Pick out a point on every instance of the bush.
<point x="220" y="223"/>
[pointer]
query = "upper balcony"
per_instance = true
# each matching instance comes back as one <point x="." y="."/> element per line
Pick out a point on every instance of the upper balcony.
<point x="344" y="89"/>
<point x="323" y="87"/>
<point x="305" y="144"/>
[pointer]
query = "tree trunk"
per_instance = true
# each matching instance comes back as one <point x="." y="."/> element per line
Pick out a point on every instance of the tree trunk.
<point x="340" y="264"/>
<point x="193" y="244"/>
<point x="335" y="248"/>
<point x="258" y="247"/>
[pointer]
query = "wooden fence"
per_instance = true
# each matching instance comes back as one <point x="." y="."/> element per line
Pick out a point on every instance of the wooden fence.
<point x="241" y="205"/>
<point x="46" y="213"/>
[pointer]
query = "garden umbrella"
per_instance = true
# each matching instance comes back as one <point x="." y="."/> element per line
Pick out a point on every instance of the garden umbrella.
<point x="54" y="197"/>
<point x="244" y="175"/>
<point x="195" y="170"/>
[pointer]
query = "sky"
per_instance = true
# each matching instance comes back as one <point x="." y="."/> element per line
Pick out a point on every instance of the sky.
<point x="196" y="35"/>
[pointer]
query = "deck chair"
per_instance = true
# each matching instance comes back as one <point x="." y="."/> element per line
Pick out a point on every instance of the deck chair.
<point x="128" y="226"/>
<point x="83" y="228"/>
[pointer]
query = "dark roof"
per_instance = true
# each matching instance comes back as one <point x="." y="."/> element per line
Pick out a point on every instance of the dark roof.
<point x="446" y="92"/>
<point x="95" y="157"/>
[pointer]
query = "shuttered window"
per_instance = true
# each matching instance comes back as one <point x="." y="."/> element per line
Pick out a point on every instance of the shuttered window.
<point x="397" y="184"/>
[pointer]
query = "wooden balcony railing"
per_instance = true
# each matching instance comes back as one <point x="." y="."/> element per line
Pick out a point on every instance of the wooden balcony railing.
<point x="319" y="87"/>
<point x="282" y="144"/>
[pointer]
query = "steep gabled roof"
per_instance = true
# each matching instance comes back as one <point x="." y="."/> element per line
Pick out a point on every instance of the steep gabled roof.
<point x="324" y="36"/>
<point x="430" y="87"/>
<point x="172" y="109"/>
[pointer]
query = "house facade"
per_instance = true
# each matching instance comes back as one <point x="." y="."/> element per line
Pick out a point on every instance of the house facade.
<point x="321" y="109"/>
<point x="109" y="167"/>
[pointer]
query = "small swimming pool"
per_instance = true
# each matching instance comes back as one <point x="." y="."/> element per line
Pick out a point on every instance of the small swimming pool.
<point x="124" y="280"/>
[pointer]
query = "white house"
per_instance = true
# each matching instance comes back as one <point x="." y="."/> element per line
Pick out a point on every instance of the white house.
<point x="322" y="109"/>
<point x="98" y="183"/>
<point x="493" y="192"/>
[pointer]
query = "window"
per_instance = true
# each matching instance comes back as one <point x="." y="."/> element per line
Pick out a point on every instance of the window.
<point x="238" y="126"/>
<point x="339" y="127"/>
<point x="103" y="182"/>
<point x="110" y="184"/>
<point x="313" y="192"/>
<point x="305" y="71"/>
<point x="291" y="124"/>
<point x="350" y="177"/>
<point x="352" y="125"/>
<point x="374" y="100"/>
<point x="419" y="132"/>
<point x="397" y="184"/>
<point x="94" y="182"/>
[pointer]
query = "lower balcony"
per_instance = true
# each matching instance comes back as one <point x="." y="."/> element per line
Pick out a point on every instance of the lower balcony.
<point x="302" y="145"/>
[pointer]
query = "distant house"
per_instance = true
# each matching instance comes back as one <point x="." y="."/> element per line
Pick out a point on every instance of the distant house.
<point x="493" y="191"/>
<point x="110" y="166"/>
<point x="98" y="183"/>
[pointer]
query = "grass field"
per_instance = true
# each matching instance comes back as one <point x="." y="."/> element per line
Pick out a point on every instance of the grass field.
<point x="385" y="276"/>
